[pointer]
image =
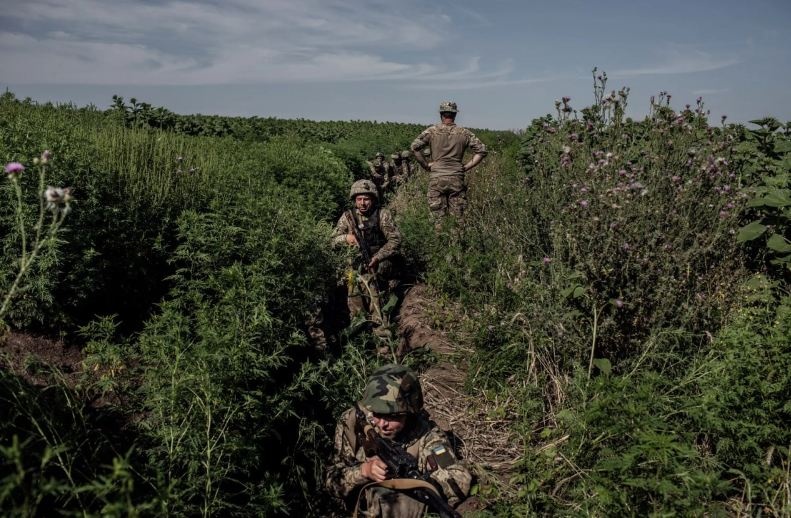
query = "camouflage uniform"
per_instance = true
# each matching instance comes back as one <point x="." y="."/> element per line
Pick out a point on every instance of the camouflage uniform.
<point x="447" y="189"/>
<point x="384" y="240"/>
<point x="403" y="167"/>
<point x="394" y="389"/>
<point x="381" y="172"/>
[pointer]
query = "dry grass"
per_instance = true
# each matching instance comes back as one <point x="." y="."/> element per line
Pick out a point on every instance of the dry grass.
<point x="480" y="426"/>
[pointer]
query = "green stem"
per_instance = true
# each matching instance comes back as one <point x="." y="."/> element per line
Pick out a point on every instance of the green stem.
<point x="20" y="217"/>
<point x="25" y="262"/>
<point x="41" y="206"/>
<point x="593" y="341"/>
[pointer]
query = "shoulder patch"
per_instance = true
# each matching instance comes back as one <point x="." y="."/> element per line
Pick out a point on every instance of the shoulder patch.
<point x="442" y="456"/>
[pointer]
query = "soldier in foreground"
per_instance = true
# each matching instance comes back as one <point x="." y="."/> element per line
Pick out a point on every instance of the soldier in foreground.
<point x="371" y="233"/>
<point x="447" y="188"/>
<point x="390" y="459"/>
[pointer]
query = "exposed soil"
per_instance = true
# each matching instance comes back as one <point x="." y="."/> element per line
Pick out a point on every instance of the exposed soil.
<point x="479" y="426"/>
<point x="30" y="357"/>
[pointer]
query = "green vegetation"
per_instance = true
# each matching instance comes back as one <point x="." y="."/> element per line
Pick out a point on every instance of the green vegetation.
<point x="624" y="285"/>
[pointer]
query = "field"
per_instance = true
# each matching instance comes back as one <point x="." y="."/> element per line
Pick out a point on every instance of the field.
<point x="613" y="313"/>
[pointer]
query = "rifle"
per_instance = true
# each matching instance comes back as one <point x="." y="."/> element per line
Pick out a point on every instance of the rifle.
<point x="400" y="464"/>
<point x="365" y="250"/>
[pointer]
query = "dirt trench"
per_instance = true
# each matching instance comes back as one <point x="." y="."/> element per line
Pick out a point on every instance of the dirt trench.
<point x="35" y="358"/>
<point x="478" y="425"/>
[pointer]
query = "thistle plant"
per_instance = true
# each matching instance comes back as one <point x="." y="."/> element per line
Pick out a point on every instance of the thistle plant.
<point x="53" y="201"/>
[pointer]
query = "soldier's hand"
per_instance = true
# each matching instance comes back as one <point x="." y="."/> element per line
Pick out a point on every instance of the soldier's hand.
<point x="351" y="240"/>
<point x="374" y="469"/>
<point x="372" y="265"/>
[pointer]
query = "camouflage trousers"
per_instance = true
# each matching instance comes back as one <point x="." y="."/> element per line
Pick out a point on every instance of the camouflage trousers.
<point x="381" y="502"/>
<point x="446" y="195"/>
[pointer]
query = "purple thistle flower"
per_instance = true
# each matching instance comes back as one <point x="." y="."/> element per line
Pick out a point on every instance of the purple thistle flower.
<point x="547" y="260"/>
<point x="618" y="303"/>
<point x="13" y="168"/>
<point x="583" y="203"/>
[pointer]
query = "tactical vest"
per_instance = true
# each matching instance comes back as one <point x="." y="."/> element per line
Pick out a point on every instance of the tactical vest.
<point x="369" y="228"/>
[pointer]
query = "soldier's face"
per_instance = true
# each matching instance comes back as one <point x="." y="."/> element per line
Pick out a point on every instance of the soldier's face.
<point x="363" y="202"/>
<point x="389" y="425"/>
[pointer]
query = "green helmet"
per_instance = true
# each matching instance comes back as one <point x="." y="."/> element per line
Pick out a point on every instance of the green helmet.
<point x="405" y="154"/>
<point x="380" y="155"/>
<point x="448" y="106"/>
<point x="363" y="187"/>
<point x="393" y="389"/>
<point x="395" y="156"/>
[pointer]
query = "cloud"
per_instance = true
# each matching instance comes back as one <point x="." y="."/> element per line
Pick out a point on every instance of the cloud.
<point x="710" y="91"/>
<point x="677" y="60"/>
<point x="476" y="84"/>
<point x="214" y="42"/>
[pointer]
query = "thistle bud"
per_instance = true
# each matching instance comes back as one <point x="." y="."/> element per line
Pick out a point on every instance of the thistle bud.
<point x="13" y="169"/>
<point x="57" y="197"/>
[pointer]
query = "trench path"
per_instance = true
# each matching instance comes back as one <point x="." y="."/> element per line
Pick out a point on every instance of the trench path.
<point x="479" y="425"/>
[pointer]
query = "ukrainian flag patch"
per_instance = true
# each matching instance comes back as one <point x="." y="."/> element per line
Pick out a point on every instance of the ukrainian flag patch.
<point x="442" y="456"/>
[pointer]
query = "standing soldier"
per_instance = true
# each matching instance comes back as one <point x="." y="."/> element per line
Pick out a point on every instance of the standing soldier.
<point x="381" y="170"/>
<point x="371" y="233"/>
<point x="403" y="167"/>
<point x="390" y="419"/>
<point x="395" y="171"/>
<point x="447" y="189"/>
<point x="406" y="164"/>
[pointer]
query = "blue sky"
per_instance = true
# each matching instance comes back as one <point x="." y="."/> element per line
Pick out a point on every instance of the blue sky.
<point x="503" y="61"/>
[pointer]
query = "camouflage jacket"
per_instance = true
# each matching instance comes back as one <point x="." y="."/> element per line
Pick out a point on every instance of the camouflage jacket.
<point x="448" y="142"/>
<point x="381" y="171"/>
<point x="424" y="440"/>
<point x="379" y="229"/>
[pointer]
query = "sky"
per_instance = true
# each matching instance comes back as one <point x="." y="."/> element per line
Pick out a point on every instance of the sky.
<point x="504" y="62"/>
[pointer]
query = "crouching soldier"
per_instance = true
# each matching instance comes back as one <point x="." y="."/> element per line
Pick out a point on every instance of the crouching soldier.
<point x="390" y="459"/>
<point x="374" y="241"/>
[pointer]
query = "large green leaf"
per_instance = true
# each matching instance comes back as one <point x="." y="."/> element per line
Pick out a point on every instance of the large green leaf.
<point x="603" y="365"/>
<point x="779" y="244"/>
<point x="750" y="232"/>
<point x="774" y="198"/>
<point x="770" y="122"/>
<point x="778" y="198"/>
<point x="783" y="146"/>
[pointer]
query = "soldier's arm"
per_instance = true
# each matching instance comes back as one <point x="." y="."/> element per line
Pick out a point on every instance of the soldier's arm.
<point x="479" y="150"/>
<point x="445" y="469"/>
<point x="392" y="235"/>
<point x="417" y="145"/>
<point x="344" y="474"/>
<point x="342" y="230"/>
